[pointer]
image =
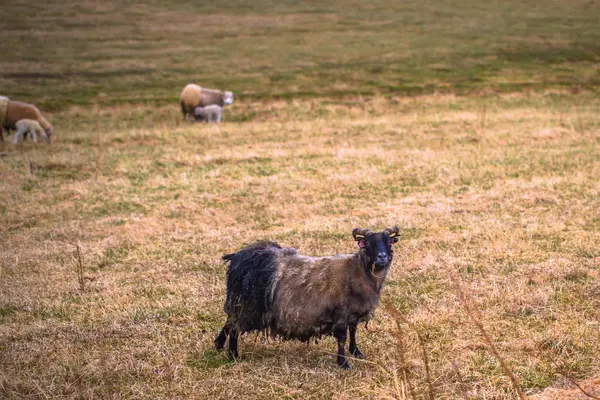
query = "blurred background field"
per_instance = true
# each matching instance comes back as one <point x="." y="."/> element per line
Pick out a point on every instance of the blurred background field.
<point x="84" y="52"/>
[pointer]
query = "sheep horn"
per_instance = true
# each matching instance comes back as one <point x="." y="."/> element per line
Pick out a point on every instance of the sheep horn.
<point x="392" y="232"/>
<point x="360" y="233"/>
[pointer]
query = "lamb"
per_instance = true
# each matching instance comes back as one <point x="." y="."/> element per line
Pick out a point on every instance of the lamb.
<point x="210" y="113"/>
<point x="278" y="291"/>
<point x="24" y="126"/>
<point x="17" y="110"/>
<point x="193" y="96"/>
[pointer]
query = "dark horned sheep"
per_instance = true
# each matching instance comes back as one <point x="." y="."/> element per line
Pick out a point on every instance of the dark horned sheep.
<point x="280" y="292"/>
<point x="17" y="110"/>
<point x="193" y="96"/>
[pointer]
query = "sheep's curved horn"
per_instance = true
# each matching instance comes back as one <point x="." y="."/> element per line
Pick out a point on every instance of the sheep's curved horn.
<point x="360" y="233"/>
<point x="392" y="232"/>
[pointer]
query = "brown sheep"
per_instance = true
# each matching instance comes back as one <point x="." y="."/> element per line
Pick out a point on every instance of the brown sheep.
<point x="17" y="110"/>
<point x="193" y="96"/>
<point x="275" y="289"/>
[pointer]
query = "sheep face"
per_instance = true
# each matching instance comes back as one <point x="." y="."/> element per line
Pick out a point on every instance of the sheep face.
<point x="376" y="247"/>
<point x="227" y="97"/>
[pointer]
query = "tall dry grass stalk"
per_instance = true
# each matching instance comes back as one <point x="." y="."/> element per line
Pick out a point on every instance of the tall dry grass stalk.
<point x="400" y="385"/>
<point x="577" y="123"/>
<point x="561" y="371"/>
<point x="481" y="119"/>
<point x="98" y="152"/>
<point x="25" y="159"/>
<point x="398" y="317"/>
<point x="463" y="387"/>
<point x="79" y="266"/>
<point x="1" y="262"/>
<point x="474" y="315"/>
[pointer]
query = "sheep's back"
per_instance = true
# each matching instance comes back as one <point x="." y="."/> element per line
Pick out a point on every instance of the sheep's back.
<point x="211" y="97"/>
<point x="17" y="110"/>
<point x="190" y="96"/>
<point x="309" y="294"/>
<point x="30" y="124"/>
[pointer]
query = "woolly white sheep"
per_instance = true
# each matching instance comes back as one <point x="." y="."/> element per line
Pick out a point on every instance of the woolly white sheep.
<point x="24" y="126"/>
<point x="193" y="96"/>
<point x="210" y="113"/>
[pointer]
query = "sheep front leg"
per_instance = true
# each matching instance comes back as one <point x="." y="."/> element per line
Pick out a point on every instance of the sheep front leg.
<point x="18" y="133"/>
<point x="233" y="343"/>
<point x="222" y="336"/>
<point x="341" y="335"/>
<point x="353" y="348"/>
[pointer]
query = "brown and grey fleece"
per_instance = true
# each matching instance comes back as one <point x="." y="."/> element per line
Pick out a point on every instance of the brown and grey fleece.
<point x="311" y="296"/>
<point x="293" y="296"/>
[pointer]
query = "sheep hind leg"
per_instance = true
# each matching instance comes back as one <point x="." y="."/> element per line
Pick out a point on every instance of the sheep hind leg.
<point x="353" y="348"/>
<point x="183" y="111"/>
<point x="233" y="344"/>
<point x="18" y="133"/>
<point x="340" y="335"/>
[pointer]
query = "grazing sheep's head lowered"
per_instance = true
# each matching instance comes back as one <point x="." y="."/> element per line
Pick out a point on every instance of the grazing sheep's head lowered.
<point x="48" y="132"/>
<point x="227" y="97"/>
<point x="274" y="289"/>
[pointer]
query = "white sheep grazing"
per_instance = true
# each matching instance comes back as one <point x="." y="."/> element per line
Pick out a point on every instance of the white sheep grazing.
<point x="23" y="126"/>
<point x="210" y="113"/>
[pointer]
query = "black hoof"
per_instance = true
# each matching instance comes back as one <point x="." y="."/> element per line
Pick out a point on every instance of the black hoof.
<point x="345" y="365"/>
<point x="234" y="355"/>
<point x="358" y="354"/>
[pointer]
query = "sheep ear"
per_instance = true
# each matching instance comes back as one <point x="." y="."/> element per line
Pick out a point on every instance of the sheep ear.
<point x="360" y="235"/>
<point x="393" y="233"/>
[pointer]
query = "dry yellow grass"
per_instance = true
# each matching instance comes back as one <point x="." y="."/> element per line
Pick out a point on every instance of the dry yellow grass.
<point x="506" y="199"/>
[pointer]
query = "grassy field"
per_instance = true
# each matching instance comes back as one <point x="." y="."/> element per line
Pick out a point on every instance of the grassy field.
<point x="475" y="128"/>
<point x="63" y="53"/>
